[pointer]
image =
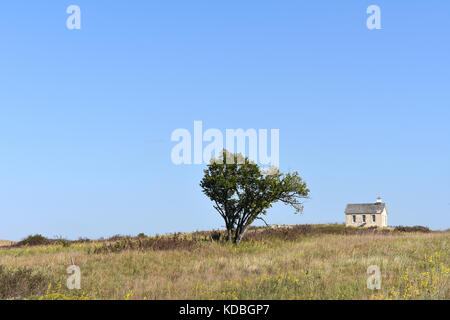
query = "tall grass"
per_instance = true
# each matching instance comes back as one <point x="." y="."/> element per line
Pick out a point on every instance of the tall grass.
<point x="21" y="282"/>
<point x="317" y="262"/>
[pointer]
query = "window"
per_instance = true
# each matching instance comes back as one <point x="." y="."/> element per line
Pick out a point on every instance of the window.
<point x="364" y="218"/>
<point x="374" y="218"/>
<point x="354" y="219"/>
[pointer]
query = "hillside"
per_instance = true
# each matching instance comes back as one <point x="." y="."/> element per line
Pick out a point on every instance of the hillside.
<point x="300" y="262"/>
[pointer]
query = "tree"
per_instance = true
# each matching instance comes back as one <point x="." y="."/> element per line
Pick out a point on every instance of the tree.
<point x="242" y="192"/>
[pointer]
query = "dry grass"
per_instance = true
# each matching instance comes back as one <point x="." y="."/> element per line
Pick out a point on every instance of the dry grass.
<point x="311" y="266"/>
<point x="6" y="243"/>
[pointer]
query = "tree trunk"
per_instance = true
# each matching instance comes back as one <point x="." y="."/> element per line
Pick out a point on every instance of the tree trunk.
<point x="236" y="235"/>
<point x="229" y="234"/>
<point x="240" y="231"/>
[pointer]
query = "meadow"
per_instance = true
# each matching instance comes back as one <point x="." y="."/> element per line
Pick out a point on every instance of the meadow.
<point x="298" y="262"/>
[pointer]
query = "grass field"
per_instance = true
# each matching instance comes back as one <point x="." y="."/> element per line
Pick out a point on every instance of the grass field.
<point x="324" y="262"/>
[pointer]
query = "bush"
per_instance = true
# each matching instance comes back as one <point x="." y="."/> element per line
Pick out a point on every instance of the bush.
<point x="21" y="282"/>
<point x="174" y="242"/>
<point x="35" y="240"/>
<point x="291" y="233"/>
<point x="216" y="236"/>
<point x="83" y="240"/>
<point x="116" y="237"/>
<point x="412" y="229"/>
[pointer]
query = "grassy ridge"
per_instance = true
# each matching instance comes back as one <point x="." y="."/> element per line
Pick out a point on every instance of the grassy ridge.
<point x="315" y="262"/>
<point x="6" y="243"/>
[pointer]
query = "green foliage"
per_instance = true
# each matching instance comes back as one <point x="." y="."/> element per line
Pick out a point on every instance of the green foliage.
<point x="34" y="240"/>
<point x="59" y="292"/>
<point x="242" y="192"/>
<point x="21" y="282"/>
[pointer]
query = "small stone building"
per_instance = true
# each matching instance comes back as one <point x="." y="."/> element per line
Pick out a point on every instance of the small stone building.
<point x="366" y="214"/>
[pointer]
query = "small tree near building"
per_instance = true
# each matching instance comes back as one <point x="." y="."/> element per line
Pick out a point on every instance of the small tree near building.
<point x="242" y="192"/>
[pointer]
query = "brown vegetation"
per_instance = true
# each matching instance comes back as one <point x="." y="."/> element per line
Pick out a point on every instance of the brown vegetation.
<point x="299" y="262"/>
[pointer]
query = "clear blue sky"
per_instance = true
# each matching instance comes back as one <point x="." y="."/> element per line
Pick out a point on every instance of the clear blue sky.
<point x="86" y="115"/>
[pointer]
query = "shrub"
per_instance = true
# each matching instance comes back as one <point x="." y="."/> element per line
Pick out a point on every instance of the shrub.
<point x="292" y="233"/>
<point x="155" y="243"/>
<point x="412" y="229"/>
<point x="33" y="240"/>
<point x="116" y="237"/>
<point x="21" y="282"/>
<point x="83" y="240"/>
<point x="216" y="236"/>
<point x="60" y="241"/>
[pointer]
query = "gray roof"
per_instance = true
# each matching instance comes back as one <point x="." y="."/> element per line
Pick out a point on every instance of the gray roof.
<point x="365" y="208"/>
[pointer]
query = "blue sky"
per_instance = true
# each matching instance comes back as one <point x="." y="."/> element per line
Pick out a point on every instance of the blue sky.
<point x="86" y="115"/>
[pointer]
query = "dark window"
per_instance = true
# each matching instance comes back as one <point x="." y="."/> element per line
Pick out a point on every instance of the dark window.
<point x="364" y="218"/>
<point x="373" y="218"/>
<point x="354" y="219"/>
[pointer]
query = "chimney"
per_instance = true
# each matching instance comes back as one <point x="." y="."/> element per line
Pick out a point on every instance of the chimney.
<point x="379" y="200"/>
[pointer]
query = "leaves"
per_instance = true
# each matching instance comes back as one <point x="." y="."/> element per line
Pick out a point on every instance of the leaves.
<point x="242" y="192"/>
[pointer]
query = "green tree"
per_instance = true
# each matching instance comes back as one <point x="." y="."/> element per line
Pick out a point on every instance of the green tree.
<point x="242" y="192"/>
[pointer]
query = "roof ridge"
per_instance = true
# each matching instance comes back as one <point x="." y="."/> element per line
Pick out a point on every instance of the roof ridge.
<point x="370" y="203"/>
<point x="365" y="208"/>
